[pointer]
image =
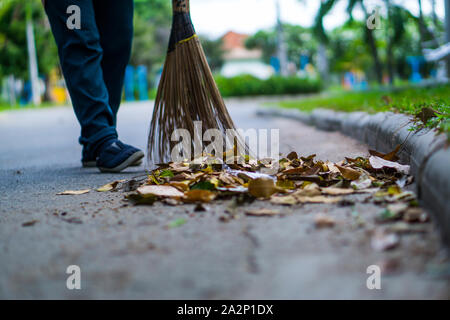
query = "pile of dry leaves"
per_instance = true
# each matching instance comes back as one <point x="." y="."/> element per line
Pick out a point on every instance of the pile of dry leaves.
<point x="297" y="180"/>
<point x="293" y="180"/>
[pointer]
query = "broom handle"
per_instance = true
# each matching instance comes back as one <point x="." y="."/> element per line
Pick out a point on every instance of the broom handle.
<point x="180" y="6"/>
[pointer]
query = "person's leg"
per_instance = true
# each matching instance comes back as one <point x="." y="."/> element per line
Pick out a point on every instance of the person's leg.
<point x="115" y="25"/>
<point x="81" y="55"/>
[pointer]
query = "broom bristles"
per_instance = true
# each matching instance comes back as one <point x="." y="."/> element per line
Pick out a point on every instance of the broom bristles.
<point x="187" y="93"/>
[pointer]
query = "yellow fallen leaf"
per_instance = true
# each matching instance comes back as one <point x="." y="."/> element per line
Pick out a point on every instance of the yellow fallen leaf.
<point x="182" y="186"/>
<point x="199" y="196"/>
<point x="285" y="184"/>
<point x="394" y="190"/>
<point x="110" y="186"/>
<point x="214" y="181"/>
<point x="73" y="192"/>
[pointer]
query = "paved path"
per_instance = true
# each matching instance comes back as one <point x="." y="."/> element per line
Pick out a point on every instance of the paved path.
<point x="126" y="252"/>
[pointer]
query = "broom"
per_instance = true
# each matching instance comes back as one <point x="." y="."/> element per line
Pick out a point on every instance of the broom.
<point x="187" y="91"/>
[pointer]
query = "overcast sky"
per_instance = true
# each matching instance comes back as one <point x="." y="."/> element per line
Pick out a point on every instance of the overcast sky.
<point x="216" y="17"/>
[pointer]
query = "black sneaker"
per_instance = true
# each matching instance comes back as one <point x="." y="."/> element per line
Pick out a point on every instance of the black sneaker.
<point x="116" y="156"/>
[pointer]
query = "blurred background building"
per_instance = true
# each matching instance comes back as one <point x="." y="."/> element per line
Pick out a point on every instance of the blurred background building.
<point x="238" y="59"/>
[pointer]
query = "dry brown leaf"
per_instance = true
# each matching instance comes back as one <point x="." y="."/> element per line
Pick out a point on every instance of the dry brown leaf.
<point x="110" y="186"/>
<point x="199" y="196"/>
<point x="336" y="191"/>
<point x="313" y="170"/>
<point x="30" y="223"/>
<point x="160" y="191"/>
<point x="262" y="212"/>
<point x="292" y="156"/>
<point x="332" y="167"/>
<point x="324" y="221"/>
<point x="368" y="190"/>
<point x="426" y="114"/>
<point x="298" y="170"/>
<point x="391" y="156"/>
<point x="349" y="173"/>
<point x="73" y="192"/>
<point x="178" y="167"/>
<point x="226" y="178"/>
<point x="311" y="190"/>
<point x="318" y="199"/>
<point x="287" y="200"/>
<point x="310" y="194"/>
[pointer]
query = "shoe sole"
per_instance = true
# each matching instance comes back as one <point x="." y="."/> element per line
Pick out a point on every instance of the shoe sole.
<point x="128" y="162"/>
<point x="93" y="164"/>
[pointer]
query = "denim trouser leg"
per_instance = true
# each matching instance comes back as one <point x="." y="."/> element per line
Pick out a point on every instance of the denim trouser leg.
<point x="115" y="25"/>
<point x="83" y="63"/>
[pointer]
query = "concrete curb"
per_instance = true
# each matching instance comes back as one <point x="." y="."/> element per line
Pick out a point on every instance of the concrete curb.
<point x="424" y="151"/>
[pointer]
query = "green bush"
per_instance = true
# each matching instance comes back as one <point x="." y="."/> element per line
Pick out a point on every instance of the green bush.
<point x="247" y="85"/>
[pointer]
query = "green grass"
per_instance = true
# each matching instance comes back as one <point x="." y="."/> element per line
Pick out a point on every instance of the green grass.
<point x="410" y="100"/>
<point x="7" y="107"/>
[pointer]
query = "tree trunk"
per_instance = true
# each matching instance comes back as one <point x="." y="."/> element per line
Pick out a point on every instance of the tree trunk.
<point x="421" y="26"/>
<point x="390" y="45"/>
<point x="281" y="43"/>
<point x="424" y="31"/>
<point x="447" y="31"/>
<point x="32" y="64"/>
<point x="434" y="14"/>
<point x="373" y="48"/>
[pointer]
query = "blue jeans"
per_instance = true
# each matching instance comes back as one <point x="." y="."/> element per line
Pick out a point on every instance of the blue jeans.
<point x="93" y="60"/>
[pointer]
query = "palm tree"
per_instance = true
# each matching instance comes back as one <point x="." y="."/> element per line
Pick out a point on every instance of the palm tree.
<point x="424" y="31"/>
<point x="326" y="7"/>
<point x="319" y="30"/>
<point x="395" y="31"/>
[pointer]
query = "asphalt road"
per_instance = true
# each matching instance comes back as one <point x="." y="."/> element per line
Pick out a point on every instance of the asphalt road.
<point x="127" y="252"/>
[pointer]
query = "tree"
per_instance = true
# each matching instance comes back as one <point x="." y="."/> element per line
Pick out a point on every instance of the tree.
<point x="152" y="21"/>
<point x="214" y="53"/>
<point x="13" y="42"/>
<point x="299" y="41"/>
<point x="394" y="32"/>
<point x="349" y="49"/>
<point x="425" y="33"/>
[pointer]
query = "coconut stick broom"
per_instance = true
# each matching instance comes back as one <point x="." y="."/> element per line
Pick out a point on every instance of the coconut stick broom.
<point x="187" y="91"/>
